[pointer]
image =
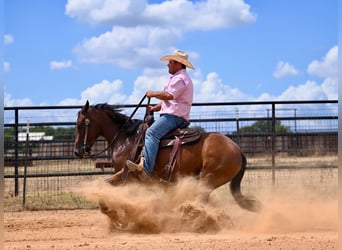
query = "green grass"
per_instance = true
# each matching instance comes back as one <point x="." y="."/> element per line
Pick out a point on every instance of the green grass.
<point x="46" y="201"/>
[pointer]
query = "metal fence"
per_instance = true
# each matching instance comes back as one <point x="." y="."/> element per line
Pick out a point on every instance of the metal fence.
<point x="41" y="173"/>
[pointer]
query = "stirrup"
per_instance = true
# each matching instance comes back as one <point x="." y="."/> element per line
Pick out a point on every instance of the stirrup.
<point x="132" y="167"/>
<point x="141" y="174"/>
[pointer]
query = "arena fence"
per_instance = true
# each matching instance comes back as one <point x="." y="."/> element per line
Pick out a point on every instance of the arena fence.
<point x="286" y="143"/>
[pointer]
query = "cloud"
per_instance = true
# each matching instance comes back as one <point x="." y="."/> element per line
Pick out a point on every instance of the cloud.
<point x="10" y="102"/>
<point x="202" y="15"/>
<point x="327" y="67"/>
<point x="55" y="65"/>
<point x="105" y="91"/>
<point x="212" y="88"/>
<point x="307" y="91"/>
<point x="310" y="90"/>
<point x="8" y="39"/>
<point x="285" y="69"/>
<point x="106" y="12"/>
<point x="141" y="32"/>
<point x="128" y="47"/>
<point x="330" y="87"/>
<point x="7" y="67"/>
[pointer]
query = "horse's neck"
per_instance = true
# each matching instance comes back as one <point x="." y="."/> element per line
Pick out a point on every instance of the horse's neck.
<point x="111" y="133"/>
<point x="116" y="137"/>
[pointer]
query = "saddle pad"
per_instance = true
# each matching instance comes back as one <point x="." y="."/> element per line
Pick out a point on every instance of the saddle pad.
<point x="187" y="135"/>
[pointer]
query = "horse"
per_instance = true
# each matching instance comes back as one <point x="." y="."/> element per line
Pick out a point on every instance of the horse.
<point x="214" y="159"/>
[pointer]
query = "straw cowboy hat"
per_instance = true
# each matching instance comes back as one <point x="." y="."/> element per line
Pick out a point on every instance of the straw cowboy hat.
<point x="178" y="56"/>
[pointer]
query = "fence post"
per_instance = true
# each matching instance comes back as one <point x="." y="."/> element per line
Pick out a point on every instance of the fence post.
<point x="273" y="143"/>
<point x="16" y="152"/>
<point x="26" y="156"/>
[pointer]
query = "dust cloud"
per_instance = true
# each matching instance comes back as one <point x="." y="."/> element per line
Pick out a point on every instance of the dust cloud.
<point x="177" y="208"/>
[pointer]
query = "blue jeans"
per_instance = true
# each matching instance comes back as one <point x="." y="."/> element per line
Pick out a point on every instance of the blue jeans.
<point x="154" y="133"/>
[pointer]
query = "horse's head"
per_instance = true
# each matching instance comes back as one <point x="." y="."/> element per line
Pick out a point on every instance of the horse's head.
<point x="86" y="131"/>
<point x="102" y="120"/>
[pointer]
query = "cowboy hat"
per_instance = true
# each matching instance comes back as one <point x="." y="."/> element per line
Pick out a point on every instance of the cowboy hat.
<point x="178" y="56"/>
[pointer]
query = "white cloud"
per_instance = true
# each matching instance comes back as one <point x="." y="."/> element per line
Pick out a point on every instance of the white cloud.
<point x="285" y="69"/>
<point x="329" y="86"/>
<point x="327" y="67"/>
<point x="8" y="39"/>
<point x="104" y="91"/>
<point x="7" y="67"/>
<point x="312" y="90"/>
<point x="55" y="65"/>
<point x="128" y="47"/>
<point x="10" y="102"/>
<point x="141" y="32"/>
<point x="203" y="15"/>
<point x="150" y="80"/>
<point x="213" y="89"/>
<point x="307" y="91"/>
<point x="105" y="11"/>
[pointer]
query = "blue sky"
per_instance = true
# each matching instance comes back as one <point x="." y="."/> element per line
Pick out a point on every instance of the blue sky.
<point x="67" y="52"/>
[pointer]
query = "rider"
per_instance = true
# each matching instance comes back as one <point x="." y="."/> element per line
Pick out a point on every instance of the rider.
<point x="174" y="109"/>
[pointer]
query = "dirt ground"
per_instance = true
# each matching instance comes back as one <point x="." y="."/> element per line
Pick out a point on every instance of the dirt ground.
<point x="173" y="218"/>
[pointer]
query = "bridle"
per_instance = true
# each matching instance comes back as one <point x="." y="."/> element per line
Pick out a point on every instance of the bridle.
<point x="86" y="147"/>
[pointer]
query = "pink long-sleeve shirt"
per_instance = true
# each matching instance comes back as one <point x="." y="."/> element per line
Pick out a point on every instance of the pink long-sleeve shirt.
<point x="181" y="88"/>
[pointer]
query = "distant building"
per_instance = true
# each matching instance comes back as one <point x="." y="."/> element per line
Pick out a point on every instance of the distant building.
<point x="34" y="136"/>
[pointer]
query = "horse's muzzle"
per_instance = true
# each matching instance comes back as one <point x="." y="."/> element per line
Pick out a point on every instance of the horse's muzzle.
<point x="82" y="151"/>
<point x="76" y="153"/>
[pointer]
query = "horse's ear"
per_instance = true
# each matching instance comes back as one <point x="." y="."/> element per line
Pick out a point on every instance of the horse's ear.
<point x="85" y="107"/>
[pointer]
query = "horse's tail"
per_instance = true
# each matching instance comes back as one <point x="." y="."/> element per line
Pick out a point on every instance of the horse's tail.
<point x="248" y="203"/>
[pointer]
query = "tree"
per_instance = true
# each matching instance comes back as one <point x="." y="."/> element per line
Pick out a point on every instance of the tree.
<point x="264" y="127"/>
<point x="9" y="134"/>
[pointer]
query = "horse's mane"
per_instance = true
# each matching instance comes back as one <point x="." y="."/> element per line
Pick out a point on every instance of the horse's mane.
<point x="114" y="112"/>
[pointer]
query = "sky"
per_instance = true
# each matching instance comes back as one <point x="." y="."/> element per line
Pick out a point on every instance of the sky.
<point x="67" y="52"/>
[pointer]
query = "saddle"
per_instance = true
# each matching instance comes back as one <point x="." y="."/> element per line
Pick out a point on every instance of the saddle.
<point x="186" y="135"/>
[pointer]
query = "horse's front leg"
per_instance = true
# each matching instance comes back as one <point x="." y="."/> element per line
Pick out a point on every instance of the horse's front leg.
<point x="120" y="155"/>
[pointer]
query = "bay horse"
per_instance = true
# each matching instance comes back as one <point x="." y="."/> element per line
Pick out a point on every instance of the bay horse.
<point x="214" y="159"/>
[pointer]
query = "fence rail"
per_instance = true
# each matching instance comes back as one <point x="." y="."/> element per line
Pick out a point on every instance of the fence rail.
<point x="44" y="166"/>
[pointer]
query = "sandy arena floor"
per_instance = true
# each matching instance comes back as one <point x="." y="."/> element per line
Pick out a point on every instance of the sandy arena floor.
<point x="293" y="218"/>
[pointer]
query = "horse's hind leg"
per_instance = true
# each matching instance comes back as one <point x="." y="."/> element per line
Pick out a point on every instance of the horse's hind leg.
<point x="221" y="162"/>
<point x="215" y="174"/>
<point x="204" y="193"/>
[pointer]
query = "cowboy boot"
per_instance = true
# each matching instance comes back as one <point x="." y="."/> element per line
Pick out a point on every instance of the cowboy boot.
<point x="138" y="169"/>
<point x="132" y="166"/>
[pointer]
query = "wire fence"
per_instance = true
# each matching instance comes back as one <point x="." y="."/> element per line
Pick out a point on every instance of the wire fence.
<point x="43" y="173"/>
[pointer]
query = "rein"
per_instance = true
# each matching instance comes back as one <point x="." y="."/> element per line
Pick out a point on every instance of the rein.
<point x="87" y="122"/>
